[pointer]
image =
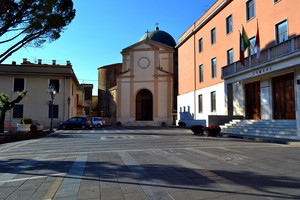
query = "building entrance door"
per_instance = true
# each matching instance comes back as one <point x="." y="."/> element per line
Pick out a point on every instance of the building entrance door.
<point x="284" y="97"/>
<point x="144" y="105"/>
<point x="252" y="98"/>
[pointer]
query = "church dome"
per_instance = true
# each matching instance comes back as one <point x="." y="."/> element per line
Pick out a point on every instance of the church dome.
<point x="160" y="36"/>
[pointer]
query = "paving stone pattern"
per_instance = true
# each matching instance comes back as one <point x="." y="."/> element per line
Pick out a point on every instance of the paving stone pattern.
<point x="137" y="163"/>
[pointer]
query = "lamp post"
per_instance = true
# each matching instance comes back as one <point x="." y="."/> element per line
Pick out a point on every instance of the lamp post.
<point x="52" y="92"/>
<point x="68" y="101"/>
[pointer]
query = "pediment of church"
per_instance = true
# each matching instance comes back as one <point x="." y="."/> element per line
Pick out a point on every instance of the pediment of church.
<point x="147" y="45"/>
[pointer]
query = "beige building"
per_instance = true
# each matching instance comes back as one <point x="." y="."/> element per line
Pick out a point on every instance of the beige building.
<point x="107" y="91"/>
<point x="35" y="79"/>
<point x="85" y="99"/>
<point x="146" y="87"/>
<point x="95" y="105"/>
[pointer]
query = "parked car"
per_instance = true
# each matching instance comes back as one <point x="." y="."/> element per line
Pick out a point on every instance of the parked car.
<point x="75" y="122"/>
<point x="97" y="122"/>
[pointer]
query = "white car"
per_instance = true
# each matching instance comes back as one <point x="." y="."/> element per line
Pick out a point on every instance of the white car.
<point x="97" y="122"/>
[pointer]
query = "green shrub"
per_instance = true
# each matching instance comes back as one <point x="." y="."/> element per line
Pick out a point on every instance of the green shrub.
<point x="181" y="124"/>
<point x="26" y="120"/>
<point x="212" y="131"/>
<point x="197" y="129"/>
<point x="119" y="124"/>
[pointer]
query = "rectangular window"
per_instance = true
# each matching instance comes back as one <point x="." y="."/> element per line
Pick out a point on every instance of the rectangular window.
<point x="201" y="73"/>
<point x="19" y="84"/>
<point x="200" y="103"/>
<point x="55" y="82"/>
<point x="86" y="110"/>
<point x="214" y="68"/>
<point x="55" y="111"/>
<point x="213" y="35"/>
<point x="250" y="7"/>
<point x="18" y="111"/>
<point x="72" y="89"/>
<point x="88" y="94"/>
<point x="213" y="101"/>
<point x="251" y="49"/>
<point x="229" y="24"/>
<point x="77" y="100"/>
<point x="281" y="32"/>
<point x="229" y="56"/>
<point x="200" y="45"/>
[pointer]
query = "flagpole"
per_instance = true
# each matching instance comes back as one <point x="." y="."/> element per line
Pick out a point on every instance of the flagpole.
<point x="257" y="42"/>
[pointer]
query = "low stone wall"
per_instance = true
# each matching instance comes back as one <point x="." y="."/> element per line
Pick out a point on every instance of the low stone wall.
<point x="12" y="137"/>
<point x="216" y="120"/>
<point x="189" y="123"/>
<point x="110" y="121"/>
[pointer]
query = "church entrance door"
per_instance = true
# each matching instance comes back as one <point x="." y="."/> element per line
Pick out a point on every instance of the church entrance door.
<point x="144" y="105"/>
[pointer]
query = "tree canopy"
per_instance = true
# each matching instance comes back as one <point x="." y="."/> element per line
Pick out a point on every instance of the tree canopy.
<point x="24" y="22"/>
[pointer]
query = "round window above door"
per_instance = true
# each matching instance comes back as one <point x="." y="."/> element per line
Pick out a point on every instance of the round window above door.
<point x="144" y="62"/>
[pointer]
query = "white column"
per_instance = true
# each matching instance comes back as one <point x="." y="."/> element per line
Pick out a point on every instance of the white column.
<point x="265" y="99"/>
<point x="238" y="98"/>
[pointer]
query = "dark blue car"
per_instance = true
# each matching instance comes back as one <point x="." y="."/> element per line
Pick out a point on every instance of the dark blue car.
<point x="75" y="122"/>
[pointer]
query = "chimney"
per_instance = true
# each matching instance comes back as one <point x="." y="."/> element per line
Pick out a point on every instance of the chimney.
<point x="53" y="62"/>
<point x="68" y="63"/>
<point x="39" y="61"/>
<point x="13" y="62"/>
<point x="24" y="60"/>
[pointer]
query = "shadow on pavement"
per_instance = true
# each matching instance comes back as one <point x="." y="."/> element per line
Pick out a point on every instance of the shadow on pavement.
<point x="164" y="176"/>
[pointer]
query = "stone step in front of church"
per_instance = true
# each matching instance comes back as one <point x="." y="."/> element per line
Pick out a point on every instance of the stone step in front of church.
<point x="285" y="130"/>
<point x="142" y="123"/>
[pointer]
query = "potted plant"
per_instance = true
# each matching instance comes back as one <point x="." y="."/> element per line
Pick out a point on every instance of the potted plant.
<point x="212" y="131"/>
<point x="198" y="129"/>
<point x="24" y="126"/>
<point x="36" y="127"/>
<point x="163" y="124"/>
<point x="181" y="124"/>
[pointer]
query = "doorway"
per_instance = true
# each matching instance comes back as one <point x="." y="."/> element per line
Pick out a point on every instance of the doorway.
<point x="252" y="98"/>
<point x="144" y="105"/>
<point x="284" y="97"/>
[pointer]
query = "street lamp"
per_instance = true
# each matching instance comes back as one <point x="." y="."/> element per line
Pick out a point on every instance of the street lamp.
<point x="52" y="92"/>
<point x="68" y="101"/>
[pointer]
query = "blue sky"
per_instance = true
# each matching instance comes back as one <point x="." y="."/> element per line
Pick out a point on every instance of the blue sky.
<point x="102" y="28"/>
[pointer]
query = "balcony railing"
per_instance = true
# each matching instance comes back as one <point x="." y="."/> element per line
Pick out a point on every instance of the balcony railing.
<point x="282" y="49"/>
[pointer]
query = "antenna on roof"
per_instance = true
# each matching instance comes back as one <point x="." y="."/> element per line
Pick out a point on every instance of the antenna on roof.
<point x="156" y="26"/>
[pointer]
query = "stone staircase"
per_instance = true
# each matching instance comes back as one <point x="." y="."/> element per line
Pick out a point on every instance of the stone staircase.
<point x="284" y="130"/>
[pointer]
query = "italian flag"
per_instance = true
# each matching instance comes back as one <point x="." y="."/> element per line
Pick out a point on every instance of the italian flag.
<point x="245" y="39"/>
<point x="242" y="50"/>
<point x="244" y="44"/>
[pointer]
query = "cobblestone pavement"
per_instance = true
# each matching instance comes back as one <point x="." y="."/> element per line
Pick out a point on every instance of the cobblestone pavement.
<point x="136" y="163"/>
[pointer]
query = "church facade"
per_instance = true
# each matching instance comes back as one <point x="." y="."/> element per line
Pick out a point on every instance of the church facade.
<point x="146" y="87"/>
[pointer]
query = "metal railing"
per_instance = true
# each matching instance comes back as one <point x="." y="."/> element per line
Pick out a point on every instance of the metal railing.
<point x="279" y="50"/>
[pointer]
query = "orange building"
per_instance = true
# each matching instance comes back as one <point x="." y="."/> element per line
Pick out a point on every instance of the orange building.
<point x="212" y="80"/>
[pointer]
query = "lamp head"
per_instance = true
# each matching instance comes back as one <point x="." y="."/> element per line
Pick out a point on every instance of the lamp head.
<point x="51" y="89"/>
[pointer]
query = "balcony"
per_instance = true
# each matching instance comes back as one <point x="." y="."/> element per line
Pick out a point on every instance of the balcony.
<point x="277" y="51"/>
